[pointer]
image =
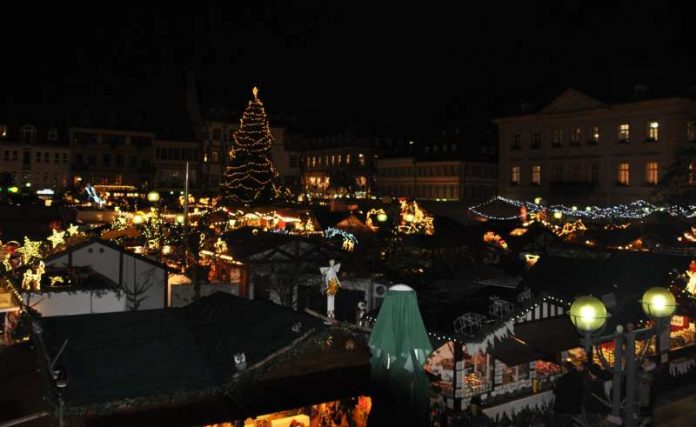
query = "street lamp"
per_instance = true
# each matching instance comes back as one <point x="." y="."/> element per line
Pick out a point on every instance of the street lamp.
<point x="153" y="196"/>
<point x="588" y="314"/>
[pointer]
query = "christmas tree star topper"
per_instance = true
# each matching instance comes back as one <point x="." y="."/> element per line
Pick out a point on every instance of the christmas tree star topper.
<point x="255" y="91"/>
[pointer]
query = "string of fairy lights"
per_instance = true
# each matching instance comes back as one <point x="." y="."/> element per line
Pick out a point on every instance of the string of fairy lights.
<point x="638" y="209"/>
<point x="251" y="175"/>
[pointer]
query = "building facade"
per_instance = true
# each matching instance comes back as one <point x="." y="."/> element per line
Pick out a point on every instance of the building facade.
<point x="35" y="156"/>
<point x="338" y="164"/>
<point x="578" y="149"/>
<point x="112" y="156"/>
<point x="446" y="180"/>
<point x="169" y="164"/>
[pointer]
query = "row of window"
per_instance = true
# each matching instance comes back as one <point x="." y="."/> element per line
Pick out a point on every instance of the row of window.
<point x="40" y="156"/>
<point x="424" y="191"/>
<point x="333" y="160"/>
<point x="171" y="153"/>
<point x="475" y="171"/>
<point x="27" y="133"/>
<point x="592" y="137"/>
<point x="38" y="178"/>
<point x="106" y="160"/>
<point x="623" y="174"/>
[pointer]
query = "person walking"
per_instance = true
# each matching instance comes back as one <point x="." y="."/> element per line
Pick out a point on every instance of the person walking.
<point x="568" y="391"/>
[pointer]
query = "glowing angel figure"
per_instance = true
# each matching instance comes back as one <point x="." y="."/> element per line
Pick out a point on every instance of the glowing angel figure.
<point x="330" y="274"/>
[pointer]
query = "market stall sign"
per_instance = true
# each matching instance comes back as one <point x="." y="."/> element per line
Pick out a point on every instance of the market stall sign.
<point x="679" y="322"/>
<point x="6" y="300"/>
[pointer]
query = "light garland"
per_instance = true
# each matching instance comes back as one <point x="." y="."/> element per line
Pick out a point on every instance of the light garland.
<point x="251" y="174"/>
<point x="635" y="210"/>
<point x="349" y="239"/>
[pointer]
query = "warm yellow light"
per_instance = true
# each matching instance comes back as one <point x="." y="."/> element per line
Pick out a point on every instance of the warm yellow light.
<point x="658" y="302"/>
<point x="588" y="314"/>
<point x="180" y="219"/>
<point x="410" y="217"/>
<point x="255" y="91"/>
<point x="381" y="217"/>
<point x="153" y="196"/>
<point x="48" y="202"/>
<point x="137" y="219"/>
<point x="13" y="189"/>
<point x="558" y="214"/>
<point x="537" y="200"/>
<point x="166" y="250"/>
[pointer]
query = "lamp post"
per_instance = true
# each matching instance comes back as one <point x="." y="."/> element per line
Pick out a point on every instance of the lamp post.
<point x="589" y="316"/>
<point x="154" y="198"/>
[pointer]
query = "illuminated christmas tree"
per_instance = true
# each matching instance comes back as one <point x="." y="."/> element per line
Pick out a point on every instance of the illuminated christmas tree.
<point x="250" y="177"/>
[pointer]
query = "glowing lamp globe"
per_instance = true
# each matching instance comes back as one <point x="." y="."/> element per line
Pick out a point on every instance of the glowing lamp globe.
<point x="659" y="303"/>
<point x="558" y="214"/>
<point x="138" y="219"/>
<point x="537" y="200"/>
<point x="153" y="196"/>
<point x="381" y="217"/>
<point x="180" y="219"/>
<point x="410" y="217"/>
<point x="588" y="314"/>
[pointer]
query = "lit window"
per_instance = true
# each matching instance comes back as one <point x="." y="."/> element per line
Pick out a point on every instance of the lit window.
<point x="536" y="175"/>
<point x="340" y="160"/>
<point x="361" y="159"/>
<point x="348" y="159"/>
<point x="333" y="160"/>
<point x="594" y="135"/>
<point x="651" y="173"/>
<point x="653" y="131"/>
<point x="3" y="131"/>
<point x="691" y="131"/>
<point x="576" y="136"/>
<point x="624" y="177"/>
<point x="515" y="175"/>
<point x="624" y="132"/>
<point x="557" y="137"/>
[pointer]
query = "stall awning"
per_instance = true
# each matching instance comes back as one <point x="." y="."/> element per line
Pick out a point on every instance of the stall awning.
<point x="537" y="340"/>
<point x="514" y="351"/>
<point x="549" y="336"/>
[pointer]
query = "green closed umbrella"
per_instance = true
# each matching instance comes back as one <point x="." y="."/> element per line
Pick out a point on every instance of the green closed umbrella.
<point x="399" y="344"/>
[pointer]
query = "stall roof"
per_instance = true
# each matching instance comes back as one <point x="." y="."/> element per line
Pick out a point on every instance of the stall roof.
<point x="111" y="356"/>
<point x="537" y="340"/>
<point x="620" y="279"/>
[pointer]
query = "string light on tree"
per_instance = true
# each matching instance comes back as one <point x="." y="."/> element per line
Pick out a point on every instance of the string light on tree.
<point x="250" y="178"/>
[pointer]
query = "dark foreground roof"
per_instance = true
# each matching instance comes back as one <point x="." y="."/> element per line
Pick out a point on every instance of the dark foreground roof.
<point x="172" y="358"/>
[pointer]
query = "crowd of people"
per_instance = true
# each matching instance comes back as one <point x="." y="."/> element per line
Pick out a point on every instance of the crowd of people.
<point x="583" y="394"/>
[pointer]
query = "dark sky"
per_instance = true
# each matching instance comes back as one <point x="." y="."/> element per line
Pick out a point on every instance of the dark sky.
<point x="395" y="67"/>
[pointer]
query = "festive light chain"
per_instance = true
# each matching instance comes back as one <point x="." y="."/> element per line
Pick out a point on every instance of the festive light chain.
<point x="634" y="210"/>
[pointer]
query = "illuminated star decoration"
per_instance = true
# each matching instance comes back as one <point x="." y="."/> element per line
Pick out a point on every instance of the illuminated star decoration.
<point x="58" y="238"/>
<point x="30" y="250"/>
<point x="220" y="246"/>
<point x="6" y="262"/>
<point x="73" y="230"/>
<point x="56" y="279"/>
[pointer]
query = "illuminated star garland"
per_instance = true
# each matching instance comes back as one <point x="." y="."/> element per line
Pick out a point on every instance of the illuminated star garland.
<point x="634" y="210"/>
<point x="349" y="239"/>
<point x="57" y="239"/>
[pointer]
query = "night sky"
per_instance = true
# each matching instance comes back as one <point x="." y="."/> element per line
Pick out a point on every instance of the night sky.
<point x="389" y="69"/>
